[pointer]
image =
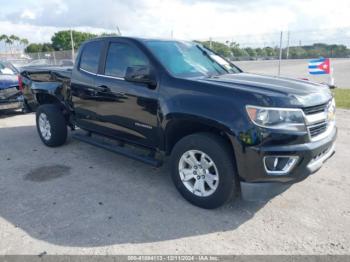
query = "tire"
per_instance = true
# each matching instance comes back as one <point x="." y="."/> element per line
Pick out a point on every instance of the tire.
<point x="56" y="127"/>
<point x="215" y="149"/>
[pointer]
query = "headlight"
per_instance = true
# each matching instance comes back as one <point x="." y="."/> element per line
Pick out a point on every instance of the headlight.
<point x="277" y="118"/>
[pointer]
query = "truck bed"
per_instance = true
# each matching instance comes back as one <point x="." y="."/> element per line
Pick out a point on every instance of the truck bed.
<point x="43" y="74"/>
<point x="38" y="81"/>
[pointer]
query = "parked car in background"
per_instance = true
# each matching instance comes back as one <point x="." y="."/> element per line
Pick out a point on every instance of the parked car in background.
<point x="65" y="62"/>
<point x="18" y="62"/>
<point x="10" y="93"/>
<point x="40" y="62"/>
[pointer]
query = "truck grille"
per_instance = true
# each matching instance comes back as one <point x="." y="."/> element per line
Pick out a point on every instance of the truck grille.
<point x="317" y="119"/>
<point x="315" y="109"/>
<point x="317" y="129"/>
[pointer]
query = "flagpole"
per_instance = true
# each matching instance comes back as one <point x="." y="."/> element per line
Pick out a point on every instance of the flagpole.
<point x="280" y="55"/>
<point x="72" y="43"/>
<point x="331" y="78"/>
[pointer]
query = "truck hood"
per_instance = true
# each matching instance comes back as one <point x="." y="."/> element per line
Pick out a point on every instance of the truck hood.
<point x="7" y="81"/>
<point x="305" y="92"/>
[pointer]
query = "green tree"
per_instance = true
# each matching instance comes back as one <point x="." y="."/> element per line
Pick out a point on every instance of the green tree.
<point x="239" y="52"/>
<point x="109" y="34"/>
<point x="14" y="38"/>
<point x="33" y="48"/>
<point x="251" y="52"/>
<point x="24" y="42"/>
<point x="270" y="52"/>
<point x="36" y="48"/>
<point x="3" y="38"/>
<point x="297" y="52"/>
<point x="217" y="47"/>
<point x="62" y="41"/>
<point x="11" y="41"/>
<point x="261" y="52"/>
<point x="337" y="51"/>
<point x="47" y="47"/>
<point x="236" y="51"/>
<point x="15" y="41"/>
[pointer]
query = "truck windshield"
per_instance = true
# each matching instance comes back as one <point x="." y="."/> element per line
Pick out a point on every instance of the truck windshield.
<point x="188" y="59"/>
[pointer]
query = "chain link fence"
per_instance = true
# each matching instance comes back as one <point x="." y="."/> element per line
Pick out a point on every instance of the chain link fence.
<point x="51" y="58"/>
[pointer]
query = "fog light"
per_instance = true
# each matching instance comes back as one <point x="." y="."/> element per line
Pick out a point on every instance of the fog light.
<point x="279" y="165"/>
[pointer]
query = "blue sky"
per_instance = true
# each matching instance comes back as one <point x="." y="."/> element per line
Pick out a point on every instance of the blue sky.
<point x="249" y="21"/>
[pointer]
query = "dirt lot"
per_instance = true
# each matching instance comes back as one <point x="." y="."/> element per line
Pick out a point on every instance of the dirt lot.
<point x="78" y="199"/>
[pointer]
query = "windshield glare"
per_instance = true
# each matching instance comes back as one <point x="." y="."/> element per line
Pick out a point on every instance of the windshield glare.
<point x="188" y="59"/>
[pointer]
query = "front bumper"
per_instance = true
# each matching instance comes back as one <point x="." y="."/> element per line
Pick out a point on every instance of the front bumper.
<point x="5" y="105"/>
<point x="311" y="156"/>
<point x="14" y="103"/>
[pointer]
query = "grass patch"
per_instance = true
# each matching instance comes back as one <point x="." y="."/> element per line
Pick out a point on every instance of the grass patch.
<point x="342" y="98"/>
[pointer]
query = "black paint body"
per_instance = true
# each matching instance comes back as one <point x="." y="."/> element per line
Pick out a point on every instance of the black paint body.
<point x="156" y="117"/>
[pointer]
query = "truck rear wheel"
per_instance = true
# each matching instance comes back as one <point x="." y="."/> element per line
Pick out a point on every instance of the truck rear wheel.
<point x="51" y="125"/>
<point x="203" y="170"/>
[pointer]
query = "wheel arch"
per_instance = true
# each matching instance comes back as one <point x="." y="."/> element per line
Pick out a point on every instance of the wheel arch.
<point x="179" y="127"/>
<point x="46" y="98"/>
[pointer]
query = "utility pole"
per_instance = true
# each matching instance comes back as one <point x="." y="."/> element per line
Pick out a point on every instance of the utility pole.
<point x="280" y="56"/>
<point x="118" y="30"/>
<point x="287" y="54"/>
<point x="72" y="43"/>
<point x="210" y="43"/>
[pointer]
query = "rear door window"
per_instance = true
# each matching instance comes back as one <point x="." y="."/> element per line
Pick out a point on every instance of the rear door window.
<point x="90" y="56"/>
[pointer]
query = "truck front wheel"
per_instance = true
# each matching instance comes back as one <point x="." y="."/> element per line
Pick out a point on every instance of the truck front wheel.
<point x="51" y="125"/>
<point x="203" y="170"/>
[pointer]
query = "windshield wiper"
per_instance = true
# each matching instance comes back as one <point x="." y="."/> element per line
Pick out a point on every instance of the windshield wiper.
<point x="213" y="60"/>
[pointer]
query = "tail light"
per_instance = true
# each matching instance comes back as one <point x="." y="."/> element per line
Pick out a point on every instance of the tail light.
<point x="20" y="82"/>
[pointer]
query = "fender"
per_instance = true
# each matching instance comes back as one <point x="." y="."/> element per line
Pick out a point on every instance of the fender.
<point x="46" y="86"/>
<point x="177" y="125"/>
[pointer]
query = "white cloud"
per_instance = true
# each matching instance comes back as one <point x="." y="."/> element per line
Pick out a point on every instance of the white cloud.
<point x="40" y="33"/>
<point x="27" y="14"/>
<point x="188" y="19"/>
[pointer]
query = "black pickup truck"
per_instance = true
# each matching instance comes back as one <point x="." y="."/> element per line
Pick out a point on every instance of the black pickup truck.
<point x="220" y="126"/>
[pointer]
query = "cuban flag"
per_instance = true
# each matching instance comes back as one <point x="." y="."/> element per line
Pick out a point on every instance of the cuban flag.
<point x="320" y="66"/>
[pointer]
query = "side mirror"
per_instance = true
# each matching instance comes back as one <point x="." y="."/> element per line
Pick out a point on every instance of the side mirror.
<point x="140" y="74"/>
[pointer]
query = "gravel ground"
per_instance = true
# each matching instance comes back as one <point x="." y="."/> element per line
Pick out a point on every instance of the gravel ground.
<point x="298" y="68"/>
<point x="78" y="199"/>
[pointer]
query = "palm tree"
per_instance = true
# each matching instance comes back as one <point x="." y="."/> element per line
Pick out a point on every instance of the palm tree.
<point x="9" y="42"/>
<point x="24" y="41"/>
<point x="3" y="37"/>
<point x="15" y="40"/>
